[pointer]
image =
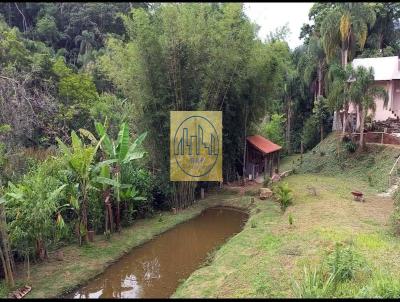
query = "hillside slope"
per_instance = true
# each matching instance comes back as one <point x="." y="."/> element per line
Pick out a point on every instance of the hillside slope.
<point x="372" y="166"/>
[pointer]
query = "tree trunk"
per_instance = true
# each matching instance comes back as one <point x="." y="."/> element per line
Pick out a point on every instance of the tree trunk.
<point x="29" y="267"/>
<point x="183" y="194"/>
<point x="345" y="113"/>
<point x="337" y="123"/>
<point x="362" y="143"/>
<point x="5" y="252"/>
<point x="288" y="126"/>
<point x="41" y="251"/>
<point x="84" y="218"/>
<point x="118" y="209"/>
<point x="245" y="144"/>
<point x="344" y="54"/>
<point x="108" y="218"/>
<point x="322" y="131"/>
<point x="319" y="79"/>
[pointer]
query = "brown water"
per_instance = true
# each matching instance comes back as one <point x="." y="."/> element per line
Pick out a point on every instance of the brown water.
<point x="154" y="269"/>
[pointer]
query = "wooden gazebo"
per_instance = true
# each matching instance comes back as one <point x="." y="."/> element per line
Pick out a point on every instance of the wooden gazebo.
<point x="262" y="156"/>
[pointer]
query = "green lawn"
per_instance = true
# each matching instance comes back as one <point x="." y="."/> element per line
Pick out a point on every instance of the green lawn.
<point x="265" y="258"/>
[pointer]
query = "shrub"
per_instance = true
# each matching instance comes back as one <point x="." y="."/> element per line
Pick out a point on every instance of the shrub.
<point x="284" y="195"/>
<point x="142" y="181"/>
<point x="332" y="277"/>
<point x="314" y="284"/>
<point x="344" y="262"/>
<point x="310" y="135"/>
<point x="33" y="209"/>
<point x="382" y="285"/>
<point x="350" y="146"/>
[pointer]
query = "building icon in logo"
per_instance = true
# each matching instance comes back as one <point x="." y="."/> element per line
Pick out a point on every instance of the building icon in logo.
<point x="196" y="145"/>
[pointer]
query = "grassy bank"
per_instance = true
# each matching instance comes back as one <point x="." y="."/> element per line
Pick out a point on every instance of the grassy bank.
<point x="372" y="166"/>
<point x="54" y="278"/>
<point x="269" y="254"/>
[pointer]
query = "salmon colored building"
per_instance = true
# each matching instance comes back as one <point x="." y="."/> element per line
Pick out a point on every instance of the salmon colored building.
<point x="387" y="75"/>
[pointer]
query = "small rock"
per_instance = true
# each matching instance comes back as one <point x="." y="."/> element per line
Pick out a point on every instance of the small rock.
<point x="60" y="255"/>
<point x="265" y="193"/>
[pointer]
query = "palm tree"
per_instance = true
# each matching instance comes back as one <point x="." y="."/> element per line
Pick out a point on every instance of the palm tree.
<point x="86" y="42"/>
<point x="316" y="64"/>
<point x="339" y="89"/>
<point x="343" y="28"/>
<point x="364" y="95"/>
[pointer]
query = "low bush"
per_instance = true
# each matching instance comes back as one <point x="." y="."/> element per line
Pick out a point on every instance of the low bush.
<point x="284" y="195"/>
<point x="314" y="284"/>
<point x="382" y="285"/>
<point x="344" y="262"/>
<point x="350" y="146"/>
<point x="334" y="276"/>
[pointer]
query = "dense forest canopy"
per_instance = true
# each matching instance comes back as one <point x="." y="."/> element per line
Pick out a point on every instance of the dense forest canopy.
<point x="66" y="66"/>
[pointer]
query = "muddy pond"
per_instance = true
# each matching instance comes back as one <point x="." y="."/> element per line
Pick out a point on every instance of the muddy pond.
<point x="156" y="268"/>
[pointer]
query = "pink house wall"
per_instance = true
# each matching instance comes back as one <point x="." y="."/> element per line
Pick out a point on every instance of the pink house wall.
<point x="381" y="114"/>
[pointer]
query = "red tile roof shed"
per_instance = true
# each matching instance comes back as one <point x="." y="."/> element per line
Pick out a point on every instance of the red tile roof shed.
<point x="262" y="144"/>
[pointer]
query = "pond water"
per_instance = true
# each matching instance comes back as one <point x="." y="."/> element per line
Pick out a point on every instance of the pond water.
<point x="155" y="269"/>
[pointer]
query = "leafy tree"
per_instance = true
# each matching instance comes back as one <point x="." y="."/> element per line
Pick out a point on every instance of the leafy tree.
<point x="339" y="89"/>
<point x="154" y="71"/>
<point x="363" y="93"/>
<point x="345" y="27"/>
<point x="309" y="134"/>
<point x="274" y="129"/>
<point x="320" y="112"/>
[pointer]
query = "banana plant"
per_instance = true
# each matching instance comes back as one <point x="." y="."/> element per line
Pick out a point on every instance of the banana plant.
<point x="80" y="160"/>
<point x="119" y="152"/>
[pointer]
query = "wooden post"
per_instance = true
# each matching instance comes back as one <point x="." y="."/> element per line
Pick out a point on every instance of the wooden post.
<point x="202" y="193"/>
<point x="278" y="160"/>
<point x="271" y="163"/>
<point x="382" y="138"/>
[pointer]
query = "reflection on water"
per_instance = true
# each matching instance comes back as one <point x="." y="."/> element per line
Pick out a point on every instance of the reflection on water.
<point x="154" y="269"/>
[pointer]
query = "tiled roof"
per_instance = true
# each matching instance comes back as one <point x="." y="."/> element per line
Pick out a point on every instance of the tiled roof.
<point x="262" y="144"/>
